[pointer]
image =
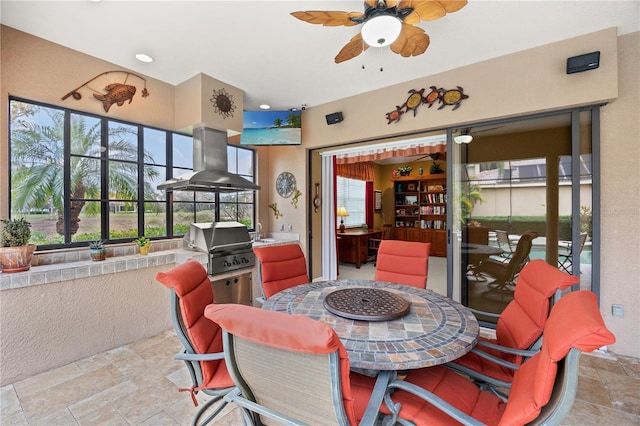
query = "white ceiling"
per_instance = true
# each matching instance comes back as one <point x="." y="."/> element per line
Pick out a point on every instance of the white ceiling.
<point x="276" y="59"/>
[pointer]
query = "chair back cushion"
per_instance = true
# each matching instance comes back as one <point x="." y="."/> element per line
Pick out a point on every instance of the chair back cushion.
<point x="522" y="321"/>
<point x="193" y="288"/>
<point x="281" y="267"/>
<point x="403" y="262"/>
<point x="293" y="334"/>
<point x="575" y="322"/>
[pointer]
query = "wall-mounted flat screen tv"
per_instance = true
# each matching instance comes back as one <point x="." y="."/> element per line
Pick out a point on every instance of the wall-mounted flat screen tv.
<point x="271" y="128"/>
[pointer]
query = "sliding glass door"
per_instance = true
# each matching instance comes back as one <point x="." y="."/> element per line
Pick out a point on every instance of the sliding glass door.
<point x="522" y="190"/>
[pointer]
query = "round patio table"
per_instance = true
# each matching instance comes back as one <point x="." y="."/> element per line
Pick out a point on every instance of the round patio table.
<point x="435" y="330"/>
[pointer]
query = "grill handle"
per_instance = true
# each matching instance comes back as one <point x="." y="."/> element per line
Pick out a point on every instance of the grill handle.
<point x="231" y="245"/>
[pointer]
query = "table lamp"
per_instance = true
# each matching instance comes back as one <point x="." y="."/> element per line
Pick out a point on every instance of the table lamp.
<point x="342" y="212"/>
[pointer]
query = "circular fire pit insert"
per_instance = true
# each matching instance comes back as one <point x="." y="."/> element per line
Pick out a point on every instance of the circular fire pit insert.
<point x="367" y="304"/>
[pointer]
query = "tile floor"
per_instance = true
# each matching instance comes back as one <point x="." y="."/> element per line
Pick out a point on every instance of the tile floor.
<point x="137" y="384"/>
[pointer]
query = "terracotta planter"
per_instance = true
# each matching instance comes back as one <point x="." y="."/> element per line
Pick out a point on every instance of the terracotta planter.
<point x="144" y="250"/>
<point x="16" y="259"/>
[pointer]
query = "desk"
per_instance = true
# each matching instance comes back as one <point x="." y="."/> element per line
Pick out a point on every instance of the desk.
<point x="353" y="246"/>
<point x="436" y="330"/>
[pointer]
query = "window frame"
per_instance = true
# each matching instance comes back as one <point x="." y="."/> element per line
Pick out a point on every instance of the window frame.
<point x="105" y="197"/>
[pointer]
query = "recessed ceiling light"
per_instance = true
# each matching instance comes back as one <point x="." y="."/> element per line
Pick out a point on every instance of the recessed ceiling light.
<point x="265" y="106"/>
<point x="143" y="57"/>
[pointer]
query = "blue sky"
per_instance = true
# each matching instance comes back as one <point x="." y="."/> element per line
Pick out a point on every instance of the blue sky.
<point x="261" y="119"/>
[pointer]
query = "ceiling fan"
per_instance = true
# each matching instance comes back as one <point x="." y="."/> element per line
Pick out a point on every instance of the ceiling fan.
<point x="465" y="136"/>
<point x="385" y="23"/>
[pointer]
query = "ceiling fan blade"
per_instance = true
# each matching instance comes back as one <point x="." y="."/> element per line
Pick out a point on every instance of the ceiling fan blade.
<point x="453" y="6"/>
<point x="352" y="49"/>
<point x="413" y="41"/>
<point x="329" y="18"/>
<point x="425" y="10"/>
<point x="429" y="10"/>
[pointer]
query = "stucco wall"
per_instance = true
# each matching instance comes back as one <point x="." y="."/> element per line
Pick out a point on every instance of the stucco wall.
<point x="49" y="325"/>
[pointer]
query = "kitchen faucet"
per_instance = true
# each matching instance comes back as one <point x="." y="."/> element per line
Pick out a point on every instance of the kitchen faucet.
<point x="256" y="234"/>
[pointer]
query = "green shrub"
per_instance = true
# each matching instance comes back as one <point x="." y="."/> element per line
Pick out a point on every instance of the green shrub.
<point x="15" y="233"/>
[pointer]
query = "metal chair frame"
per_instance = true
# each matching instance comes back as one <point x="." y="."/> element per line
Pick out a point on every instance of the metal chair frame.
<point x="565" y="260"/>
<point x="559" y="405"/>
<point x="192" y="361"/>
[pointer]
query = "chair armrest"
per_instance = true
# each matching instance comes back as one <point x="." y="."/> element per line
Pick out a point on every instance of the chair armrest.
<point x="495" y="359"/>
<point x="487" y="314"/>
<point x="434" y="400"/>
<point x="183" y="356"/>
<point x="513" y="351"/>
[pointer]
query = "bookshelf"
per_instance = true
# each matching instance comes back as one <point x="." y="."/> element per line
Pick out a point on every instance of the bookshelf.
<point x="421" y="210"/>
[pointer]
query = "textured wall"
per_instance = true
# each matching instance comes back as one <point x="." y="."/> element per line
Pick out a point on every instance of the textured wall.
<point x="50" y="325"/>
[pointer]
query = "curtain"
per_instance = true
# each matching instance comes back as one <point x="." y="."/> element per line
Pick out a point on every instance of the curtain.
<point x="359" y="171"/>
<point x="329" y="251"/>
<point x="366" y="155"/>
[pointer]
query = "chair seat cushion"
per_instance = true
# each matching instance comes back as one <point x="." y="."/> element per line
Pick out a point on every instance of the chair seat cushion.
<point x="451" y="387"/>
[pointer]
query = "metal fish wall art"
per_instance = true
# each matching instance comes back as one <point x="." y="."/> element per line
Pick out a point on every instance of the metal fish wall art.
<point x="116" y="93"/>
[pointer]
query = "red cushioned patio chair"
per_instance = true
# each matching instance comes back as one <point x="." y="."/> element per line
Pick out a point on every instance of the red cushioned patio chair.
<point x="403" y="262"/>
<point x="291" y="369"/>
<point x="201" y="339"/>
<point x="543" y="390"/>
<point x="280" y="267"/>
<point x="519" y="328"/>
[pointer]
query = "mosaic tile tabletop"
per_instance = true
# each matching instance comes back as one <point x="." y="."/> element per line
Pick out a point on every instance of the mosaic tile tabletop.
<point x="435" y="331"/>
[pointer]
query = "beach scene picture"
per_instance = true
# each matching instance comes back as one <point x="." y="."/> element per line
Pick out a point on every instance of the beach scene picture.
<point x="271" y="128"/>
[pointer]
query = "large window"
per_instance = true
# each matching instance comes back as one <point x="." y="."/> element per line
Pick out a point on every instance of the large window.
<point x="78" y="177"/>
<point x="351" y="194"/>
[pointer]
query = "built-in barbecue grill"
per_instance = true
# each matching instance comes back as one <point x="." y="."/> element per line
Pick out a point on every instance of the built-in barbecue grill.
<point x="227" y="243"/>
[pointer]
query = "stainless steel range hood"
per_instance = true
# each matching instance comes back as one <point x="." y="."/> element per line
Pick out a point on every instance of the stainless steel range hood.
<point x="210" y="167"/>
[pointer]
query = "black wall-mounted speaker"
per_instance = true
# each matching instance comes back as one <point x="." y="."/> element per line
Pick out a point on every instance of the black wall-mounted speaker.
<point x="334" y="117"/>
<point x="586" y="62"/>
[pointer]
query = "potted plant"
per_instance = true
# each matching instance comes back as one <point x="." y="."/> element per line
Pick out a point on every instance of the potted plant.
<point x="144" y="245"/>
<point x="435" y="169"/>
<point x="405" y="170"/>
<point x="98" y="250"/>
<point x="15" y="250"/>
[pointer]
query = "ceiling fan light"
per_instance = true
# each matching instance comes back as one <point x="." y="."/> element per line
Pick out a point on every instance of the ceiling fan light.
<point x="381" y="31"/>
<point x="460" y="139"/>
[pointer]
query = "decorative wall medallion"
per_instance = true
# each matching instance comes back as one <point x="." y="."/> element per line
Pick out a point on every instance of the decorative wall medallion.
<point x="117" y="93"/>
<point x="285" y="184"/>
<point x="446" y="97"/>
<point x="223" y="103"/>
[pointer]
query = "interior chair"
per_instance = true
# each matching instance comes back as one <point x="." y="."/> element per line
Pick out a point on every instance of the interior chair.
<point x="403" y="262"/>
<point x="505" y="274"/>
<point x="374" y="243"/>
<point x="543" y="389"/>
<point x="201" y="339"/>
<point x="502" y="238"/>
<point x="291" y="369"/>
<point x="519" y="328"/>
<point x="281" y="267"/>
<point x="565" y="257"/>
